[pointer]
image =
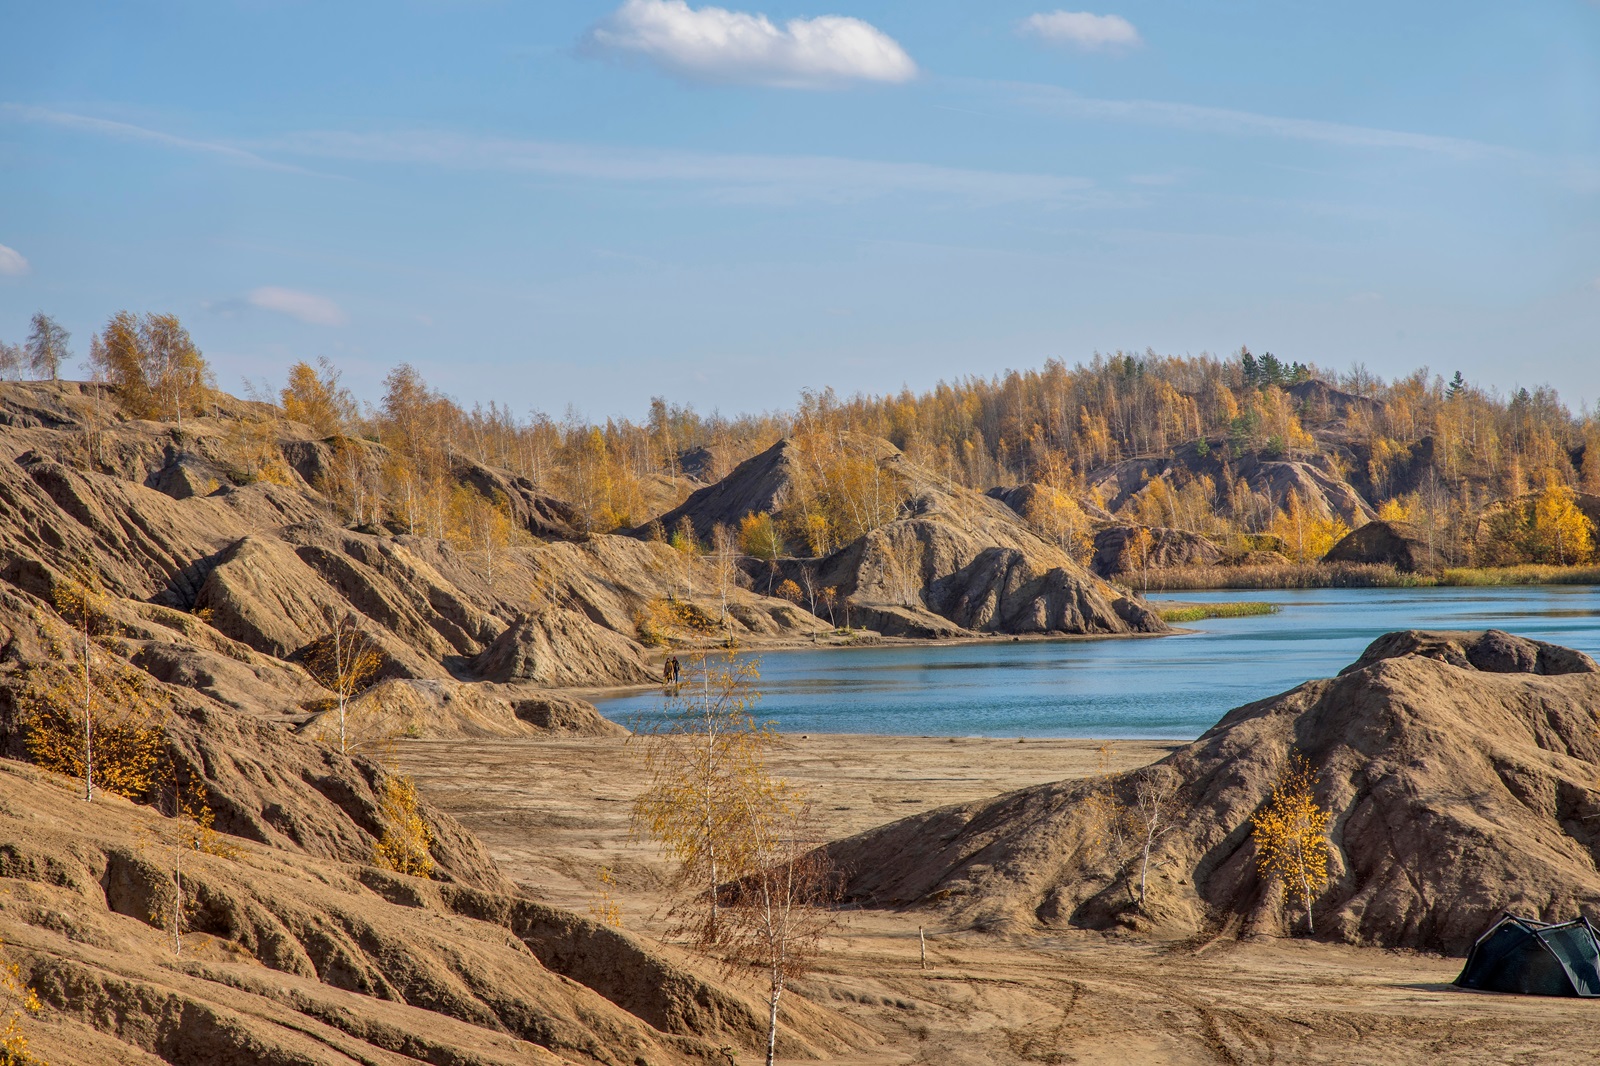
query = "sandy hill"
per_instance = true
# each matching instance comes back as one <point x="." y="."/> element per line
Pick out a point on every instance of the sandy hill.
<point x="951" y="561"/>
<point x="291" y="958"/>
<point x="1397" y="544"/>
<point x="1462" y="770"/>
<point x="300" y="950"/>
<point x="171" y="521"/>
<point x="1311" y="476"/>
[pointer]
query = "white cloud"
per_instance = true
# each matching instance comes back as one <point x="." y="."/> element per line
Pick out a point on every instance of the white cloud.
<point x="304" y="306"/>
<point x="715" y="44"/>
<point x="12" y="262"/>
<point x="745" y="178"/>
<point x="1081" y="29"/>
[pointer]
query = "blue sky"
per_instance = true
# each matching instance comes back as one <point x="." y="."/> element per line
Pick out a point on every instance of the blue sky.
<point x="552" y="202"/>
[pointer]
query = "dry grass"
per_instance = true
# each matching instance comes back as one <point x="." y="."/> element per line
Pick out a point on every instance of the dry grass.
<point x="1290" y="576"/>
<point x="1525" y="574"/>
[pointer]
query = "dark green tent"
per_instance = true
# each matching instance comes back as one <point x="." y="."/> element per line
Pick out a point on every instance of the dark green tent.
<point x="1535" y="958"/>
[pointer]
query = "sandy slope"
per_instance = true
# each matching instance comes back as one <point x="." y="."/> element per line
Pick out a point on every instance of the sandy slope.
<point x="551" y="811"/>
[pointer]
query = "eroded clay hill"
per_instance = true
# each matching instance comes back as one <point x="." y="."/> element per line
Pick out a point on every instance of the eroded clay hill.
<point x="950" y="562"/>
<point x="169" y="520"/>
<point x="297" y="949"/>
<point x="293" y="959"/>
<point x="1462" y="771"/>
<point x="1313" y="477"/>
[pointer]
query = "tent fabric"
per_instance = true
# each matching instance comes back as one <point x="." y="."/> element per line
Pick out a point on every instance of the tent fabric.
<point x="1535" y="958"/>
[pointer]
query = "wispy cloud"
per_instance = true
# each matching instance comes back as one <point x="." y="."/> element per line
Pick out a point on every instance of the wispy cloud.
<point x="1199" y="118"/>
<point x="303" y="306"/>
<point x="761" y="177"/>
<point x="717" y="45"/>
<point x="126" y="131"/>
<point x="12" y="262"/>
<point x="1082" y="30"/>
<point x="1154" y="180"/>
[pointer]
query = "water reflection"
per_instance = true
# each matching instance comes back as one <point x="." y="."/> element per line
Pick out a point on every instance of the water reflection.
<point x="1171" y="687"/>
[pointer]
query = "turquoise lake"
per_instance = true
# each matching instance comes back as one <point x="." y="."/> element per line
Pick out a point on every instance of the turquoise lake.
<point x="1152" y="687"/>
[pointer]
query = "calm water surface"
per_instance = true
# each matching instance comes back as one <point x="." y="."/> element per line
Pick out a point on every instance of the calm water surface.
<point x="1166" y="687"/>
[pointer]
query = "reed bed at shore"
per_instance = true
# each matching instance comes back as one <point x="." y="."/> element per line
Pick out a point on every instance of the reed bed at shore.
<point x="1343" y="576"/>
<point x="1292" y="576"/>
<point x="1527" y="574"/>
<point x="1196" y="612"/>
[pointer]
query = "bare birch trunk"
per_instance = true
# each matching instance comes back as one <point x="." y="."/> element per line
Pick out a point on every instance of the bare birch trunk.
<point x="772" y="1015"/>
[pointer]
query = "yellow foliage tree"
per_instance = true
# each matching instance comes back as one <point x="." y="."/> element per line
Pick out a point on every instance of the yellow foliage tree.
<point x="1058" y="518"/>
<point x="1400" y="509"/>
<point x="344" y="660"/>
<point x="316" y="398"/>
<point x="1138" y="552"/>
<point x="480" y="523"/>
<point x="1105" y="821"/>
<point x="1561" y="533"/>
<point x="252" y="445"/>
<point x="706" y="765"/>
<point x="1306" y="535"/>
<point x="818" y="534"/>
<point x="661" y="621"/>
<point x="18" y="1002"/>
<point x="154" y="364"/>
<point x="780" y="909"/>
<point x="91" y="718"/>
<point x="839" y="490"/>
<point x="407" y="842"/>
<point x="758" y="537"/>
<point x="1292" y="835"/>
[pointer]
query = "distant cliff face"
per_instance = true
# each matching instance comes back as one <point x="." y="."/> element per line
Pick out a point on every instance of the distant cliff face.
<point x="945" y="560"/>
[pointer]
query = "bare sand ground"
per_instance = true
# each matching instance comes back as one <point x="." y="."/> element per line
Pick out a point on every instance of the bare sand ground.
<point x="553" y="812"/>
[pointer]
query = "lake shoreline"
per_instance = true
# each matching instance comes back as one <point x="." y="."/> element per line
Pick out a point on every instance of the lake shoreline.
<point x="1072" y="686"/>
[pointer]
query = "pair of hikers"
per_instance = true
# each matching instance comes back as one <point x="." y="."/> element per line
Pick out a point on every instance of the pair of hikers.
<point x="670" y="671"/>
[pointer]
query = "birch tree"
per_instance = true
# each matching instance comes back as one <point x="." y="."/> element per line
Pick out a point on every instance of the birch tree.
<point x="46" y="348"/>
<point x="90" y="717"/>
<point x="344" y="660"/>
<point x="706" y="767"/>
<point x="782" y="909"/>
<point x="1291" y="834"/>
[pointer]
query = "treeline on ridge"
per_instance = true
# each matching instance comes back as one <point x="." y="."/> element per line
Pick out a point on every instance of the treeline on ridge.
<point x="1484" y="478"/>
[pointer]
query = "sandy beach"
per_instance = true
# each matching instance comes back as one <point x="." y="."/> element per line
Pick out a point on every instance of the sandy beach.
<point x="553" y="812"/>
